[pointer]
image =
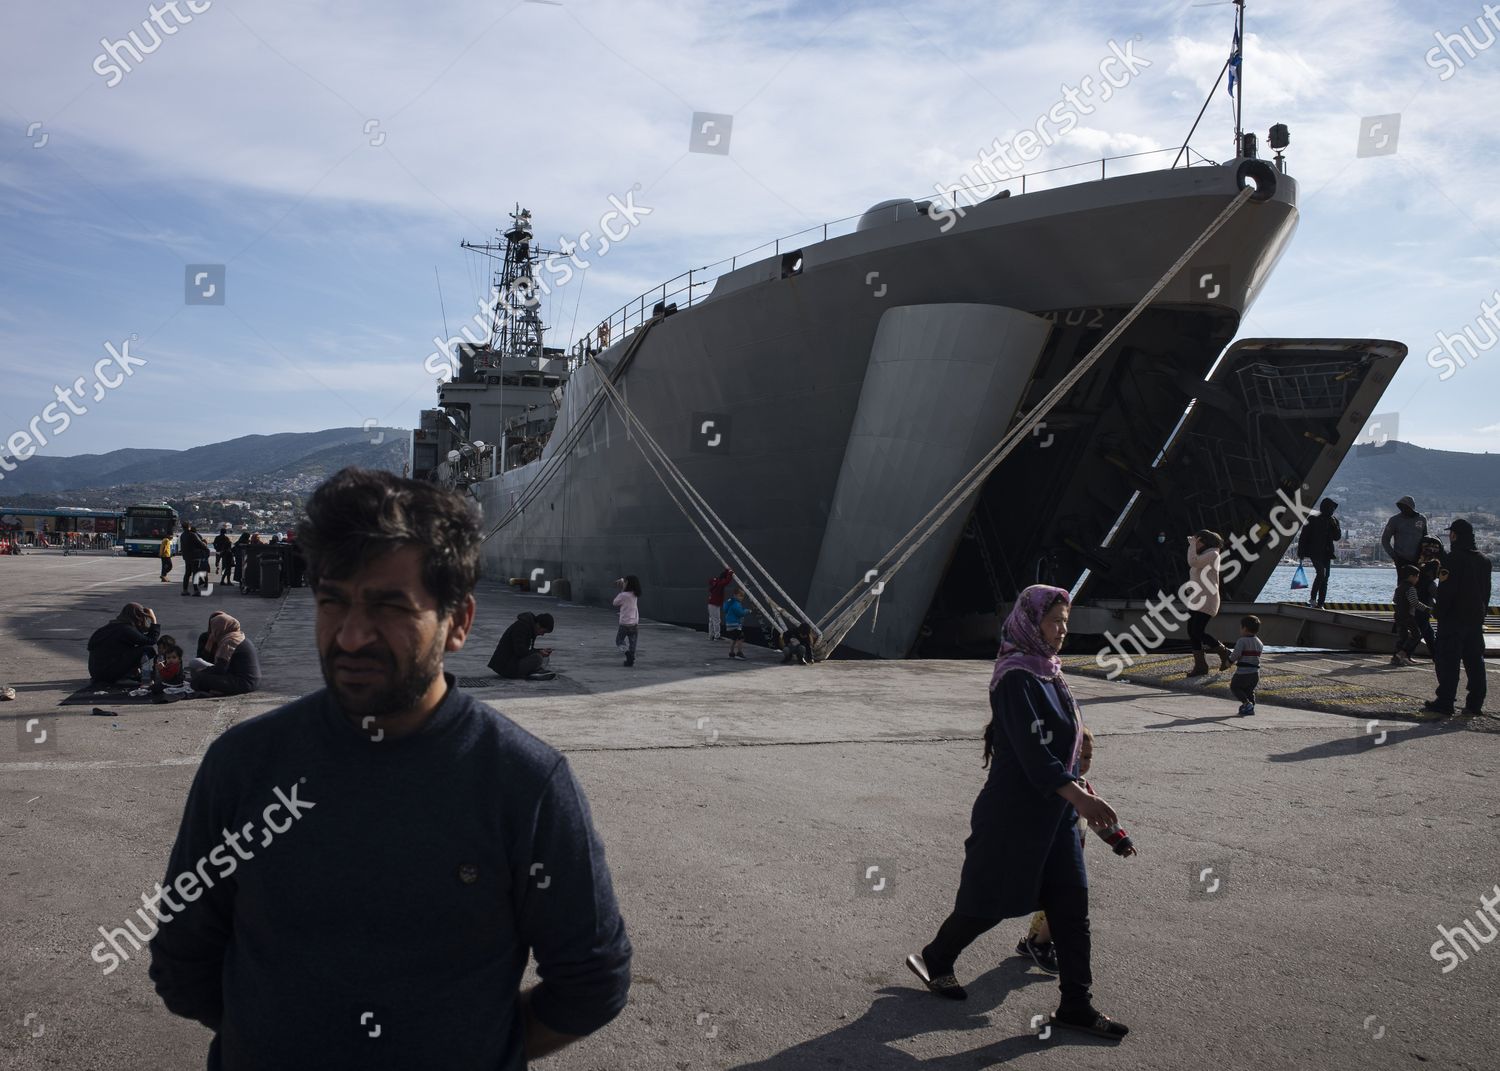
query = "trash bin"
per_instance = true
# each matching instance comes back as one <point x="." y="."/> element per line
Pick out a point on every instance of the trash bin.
<point x="271" y="575"/>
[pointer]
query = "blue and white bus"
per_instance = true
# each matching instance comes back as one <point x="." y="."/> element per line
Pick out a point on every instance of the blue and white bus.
<point x="144" y="527"/>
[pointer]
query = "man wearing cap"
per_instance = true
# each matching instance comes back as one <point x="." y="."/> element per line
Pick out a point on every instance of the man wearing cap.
<point x="1463" y="595"/>
<point x="1402" y="538"/>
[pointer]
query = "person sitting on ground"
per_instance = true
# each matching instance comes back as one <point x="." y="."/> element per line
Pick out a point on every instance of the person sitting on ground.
<point x="1409" y="606"/>
<point x="116" y="649"/>
<point x="517" y="656"/>
<point x="167" y="669"/>
<point x="734" y="623"/>
<point x="1037" y="944"/>
<point x="797" y="643"/>
<point x="164" y="671"/>
<point x="227" y="663"/>
<point x="1246" y="658"/>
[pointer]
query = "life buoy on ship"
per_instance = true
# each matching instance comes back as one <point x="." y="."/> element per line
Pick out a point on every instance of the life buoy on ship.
<point x="1259" y="174"/>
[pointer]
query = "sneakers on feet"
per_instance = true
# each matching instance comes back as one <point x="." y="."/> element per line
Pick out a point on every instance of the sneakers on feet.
<point x="1043" y="955"/>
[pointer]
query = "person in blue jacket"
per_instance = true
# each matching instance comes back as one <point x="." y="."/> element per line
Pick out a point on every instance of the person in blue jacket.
<point x="734" y="623"/>
<point x="1023" y="852"/>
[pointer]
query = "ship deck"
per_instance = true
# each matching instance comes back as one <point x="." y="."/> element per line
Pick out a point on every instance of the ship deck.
<point x="743" y="806"/>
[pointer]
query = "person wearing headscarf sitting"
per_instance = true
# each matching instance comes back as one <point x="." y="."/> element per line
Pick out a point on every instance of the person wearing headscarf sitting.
<point x="1023" y="852"/>
<point x="227" y="663"/>
<point x="117" y="649"/>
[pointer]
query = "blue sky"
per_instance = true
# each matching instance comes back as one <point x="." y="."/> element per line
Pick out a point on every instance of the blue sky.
<point x="332" y="154"/>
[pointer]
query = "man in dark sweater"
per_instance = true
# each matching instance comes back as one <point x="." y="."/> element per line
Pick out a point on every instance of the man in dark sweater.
<point x="1463" y="596"/>
<point x="397" y="848"/>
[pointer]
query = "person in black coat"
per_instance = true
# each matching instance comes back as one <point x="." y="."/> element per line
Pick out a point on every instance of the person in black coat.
<point x="1463" y="597"/>
<point x="223" y="554"/>
<point x="516" y="655"/>
<point x="1023" y="852"/>
<point x="1317" y="545"/>
<point x="241" y="546"/>
<point x="195" y="554"/>
<point x="116" y="649"/>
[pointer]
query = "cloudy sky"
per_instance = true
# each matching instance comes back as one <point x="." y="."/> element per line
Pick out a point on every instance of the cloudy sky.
<point x="331" y="155"/>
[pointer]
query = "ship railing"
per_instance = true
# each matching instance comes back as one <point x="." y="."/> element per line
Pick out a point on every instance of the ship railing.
<point x="696" y="284"/>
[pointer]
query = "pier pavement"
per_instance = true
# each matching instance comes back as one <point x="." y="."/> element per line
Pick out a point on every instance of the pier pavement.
<point x="780" y="837"/>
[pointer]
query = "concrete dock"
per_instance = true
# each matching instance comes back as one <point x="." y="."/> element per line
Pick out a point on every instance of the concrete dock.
<point x="1295" y="867"/>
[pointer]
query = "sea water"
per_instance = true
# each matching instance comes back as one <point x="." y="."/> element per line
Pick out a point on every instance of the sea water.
<point x="1345" y="584"/>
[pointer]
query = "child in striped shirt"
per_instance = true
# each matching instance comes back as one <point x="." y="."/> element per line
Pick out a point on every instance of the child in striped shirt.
<point x="1246" y="660"/>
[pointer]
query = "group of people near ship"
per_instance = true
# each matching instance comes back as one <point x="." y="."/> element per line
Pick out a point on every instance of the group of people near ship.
<point x="517" y="657"/>
<point x="131" y="648"/>
<point x="1451" y="585"/>
<point x="236" y="562"/>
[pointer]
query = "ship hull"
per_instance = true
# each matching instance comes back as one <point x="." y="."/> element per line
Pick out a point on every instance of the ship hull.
<point x="754" y="391"/>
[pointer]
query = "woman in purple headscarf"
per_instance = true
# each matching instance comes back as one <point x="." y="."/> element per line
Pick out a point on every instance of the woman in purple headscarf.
<point x="1023" y="852"/>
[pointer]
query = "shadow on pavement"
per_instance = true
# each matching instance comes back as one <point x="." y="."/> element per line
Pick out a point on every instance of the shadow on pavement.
<point x="1353" y="745"/>
<point x="1177" y="723"/>
<point x="902" y="1012"/>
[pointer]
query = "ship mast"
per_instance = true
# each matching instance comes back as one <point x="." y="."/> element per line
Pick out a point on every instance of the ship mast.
<point x="516" y="328"/>
<point x="1238" y="73"/>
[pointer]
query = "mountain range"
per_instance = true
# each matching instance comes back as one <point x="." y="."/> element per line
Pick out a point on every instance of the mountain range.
<point x="289" y="461"/>
<point x="1370" y="478"/>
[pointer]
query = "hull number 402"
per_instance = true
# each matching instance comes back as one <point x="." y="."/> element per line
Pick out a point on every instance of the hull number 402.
<point x="1076" y="317"/>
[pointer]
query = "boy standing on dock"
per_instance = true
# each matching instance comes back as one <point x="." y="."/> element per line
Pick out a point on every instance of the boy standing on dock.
<point x="1409" y="612"/>
<point x="1246" y="659"/>
<point x="734" y="624"/>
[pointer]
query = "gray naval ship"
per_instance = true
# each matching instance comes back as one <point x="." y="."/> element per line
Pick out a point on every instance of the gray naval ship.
<point x="823" y="394"/>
